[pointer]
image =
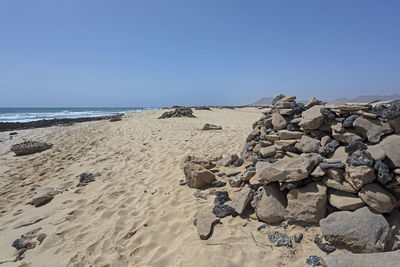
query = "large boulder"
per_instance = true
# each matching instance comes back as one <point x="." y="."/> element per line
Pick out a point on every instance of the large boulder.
<point x="383" y="259"/>
<point x="308" y="144"/>
<point x="306" y="204"/>
<point x="30" y="147"/>
<point x="371" y="129"/>
<point x="242" y="199"/>
<point x="286" y="169"/>
<point x="362" y="230"/>
<point x="391" y="146"/>
<point x="269" y="203"/>
<point x="197" y="176"/>
<point x="312" y="118"/>
<point x="43" y="196"/>
<point x="377" y="198"/>
<point x="358" y="176"/>
<point x="345" y="200"/>
<point x="205" y="220"/>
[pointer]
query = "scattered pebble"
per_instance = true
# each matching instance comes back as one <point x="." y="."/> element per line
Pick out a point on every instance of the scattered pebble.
<point x="298" y="239"/>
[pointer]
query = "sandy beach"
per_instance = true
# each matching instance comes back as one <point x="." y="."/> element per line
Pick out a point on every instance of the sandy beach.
<point x="135" y="213"/>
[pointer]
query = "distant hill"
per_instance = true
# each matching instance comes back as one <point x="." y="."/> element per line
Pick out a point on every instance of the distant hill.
<point x="368" y="98"/>
<point x="265" y="101"/>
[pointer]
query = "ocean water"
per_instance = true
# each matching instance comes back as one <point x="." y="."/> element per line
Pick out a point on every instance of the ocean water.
<point x="34" y="114"/>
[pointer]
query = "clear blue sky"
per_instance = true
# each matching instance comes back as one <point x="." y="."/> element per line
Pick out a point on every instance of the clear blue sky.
<point x="166" y="52"/>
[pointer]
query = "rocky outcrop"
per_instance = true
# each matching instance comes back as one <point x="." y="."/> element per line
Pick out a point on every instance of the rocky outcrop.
<point x="383" y="259"/>
<point x="178" y="112"/>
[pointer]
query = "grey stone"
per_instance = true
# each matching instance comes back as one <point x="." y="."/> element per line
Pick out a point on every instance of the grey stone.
<point x="308" y="144"/>
<point x="377" y="198"/>
<point x="391" y="146"/>
<point x="358" y="176"/>
<point x="278" y="121"/>
<point x="306" y="204"/>
<point x="242" y="199"/>
<point x="312" y="118"/>
<point x="269" y="203"/>
<point x="325" y="247"/>
<point x="227" y="161"/>
<point x="345" y="200"/>
<point x="197" y="176"/>
<point x="205" y="220"/>
<point x="383" y="259"/>
<point x="372" y="129"/>
<point x="288" y="169"/>
<point x="362" y="230"/>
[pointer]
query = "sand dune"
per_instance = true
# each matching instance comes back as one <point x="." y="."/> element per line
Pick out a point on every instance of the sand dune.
<point x="102" y="224"/>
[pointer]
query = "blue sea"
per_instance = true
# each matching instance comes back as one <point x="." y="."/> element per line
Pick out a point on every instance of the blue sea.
<point x="34" y="114"/>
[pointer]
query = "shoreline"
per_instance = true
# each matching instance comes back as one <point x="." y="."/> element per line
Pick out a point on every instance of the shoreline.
<point x="13" y="126"/>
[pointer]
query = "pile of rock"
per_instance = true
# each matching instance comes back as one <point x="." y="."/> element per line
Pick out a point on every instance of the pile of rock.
<point x="178" y="112"/>
<point x="333" y="164"/>
<point x="30" y="147"/>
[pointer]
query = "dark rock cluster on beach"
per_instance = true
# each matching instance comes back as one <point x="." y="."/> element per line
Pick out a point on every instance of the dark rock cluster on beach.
<point x="178" y="112"/>
<point x="336" y="165"/>
<point x="11" y="126"/>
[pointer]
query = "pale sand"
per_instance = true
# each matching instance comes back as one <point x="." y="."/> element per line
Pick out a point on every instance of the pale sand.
<point x="102" y="224"/>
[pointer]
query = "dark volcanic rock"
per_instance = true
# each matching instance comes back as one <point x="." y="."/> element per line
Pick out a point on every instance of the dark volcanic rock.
<point x="354" y="146"/>
<point x="277" y="98"/>
<point x="298" y="238"/>
<point x="86" y="178"/>
<point x="328" y="165"/>
<point x="222" y="211"/>
<point x="325" y="247"/>
<point x="360" y="158"/>
<point x="279" y="239"/>
<point x="30" y="147"/>
<point x="389" y="112"/>
<point x="313" y="261"/>
<point x="348" y="122"/>
<point x="221" y="197"/>
<point x="384" y="176"/>
<point x="329" y="149"/>
<point x="10" y="126"/>
<point x="217" y="183"/>
<point x="179" y="112"/>
<point x="328" y="114"/>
